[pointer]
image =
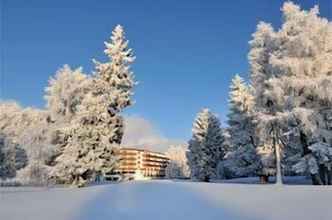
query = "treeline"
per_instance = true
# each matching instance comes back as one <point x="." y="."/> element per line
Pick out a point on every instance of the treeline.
<point x="280" y="123"/>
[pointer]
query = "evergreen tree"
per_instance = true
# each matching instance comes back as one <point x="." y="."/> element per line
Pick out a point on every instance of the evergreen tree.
<point x="97" y="128"/>
<point x="241" y="103"/>
<point x="205" y="147"/>
<point x="240" y="159"/>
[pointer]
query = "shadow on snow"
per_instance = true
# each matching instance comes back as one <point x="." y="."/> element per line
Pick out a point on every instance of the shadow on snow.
<point x="162" y="200"/>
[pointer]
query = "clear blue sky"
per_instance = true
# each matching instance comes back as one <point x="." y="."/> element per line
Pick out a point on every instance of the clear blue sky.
<point x="187" y="51"/>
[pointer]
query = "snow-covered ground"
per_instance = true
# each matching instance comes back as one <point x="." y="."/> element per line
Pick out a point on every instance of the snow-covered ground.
<point x="289" y="180"/>
<point x="169" y="200"/>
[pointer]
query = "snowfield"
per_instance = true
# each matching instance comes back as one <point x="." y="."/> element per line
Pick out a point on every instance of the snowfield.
<point x="169" y="200"/>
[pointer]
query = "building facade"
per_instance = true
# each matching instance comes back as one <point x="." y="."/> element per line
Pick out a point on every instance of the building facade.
<point x="138" y="162"/>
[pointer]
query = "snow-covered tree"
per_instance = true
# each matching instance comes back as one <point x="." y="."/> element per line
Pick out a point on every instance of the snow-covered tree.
<point x="240" y="159"/>
<point x="291" y="73"/>
<point x="261" y="47"/>
<point x="205" y="147"/>
<point x="97" y="128"/>
<point x="27" y="130"/>
<point x="37" y="141"/>
<point x="178" y="164"/>
<point x="64" y="95"/>
<point x="12" y="158"/>
<point x="241" y="106"/>
<point x="313" y="131"/>
<point x="65" y="92"/>
<point x="89" y="148"/>
<point x="12" y="122"/>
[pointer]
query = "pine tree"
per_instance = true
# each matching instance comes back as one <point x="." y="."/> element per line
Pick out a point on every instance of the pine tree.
<point x="241" y="101"/>
<point x="97" y="128"/>
<point x="205" y="147"/>
<point x="241" y="158"/>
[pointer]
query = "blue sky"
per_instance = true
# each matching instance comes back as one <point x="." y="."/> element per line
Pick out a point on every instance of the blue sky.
<point x="187" y="51"/>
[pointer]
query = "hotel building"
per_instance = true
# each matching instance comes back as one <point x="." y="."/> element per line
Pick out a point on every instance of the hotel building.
<point x="138" y="162"/>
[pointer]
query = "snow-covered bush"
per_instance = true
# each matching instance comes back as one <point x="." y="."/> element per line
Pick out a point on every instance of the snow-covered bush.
<point x="178" y="164"/>
<point x="205" y="147"/>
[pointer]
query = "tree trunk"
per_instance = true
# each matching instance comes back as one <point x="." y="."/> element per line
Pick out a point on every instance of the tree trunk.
<point x="276" y="146"/>
<point x="329" y="177"/>
<point x="206" y="179"/>
<point x="322" y="174"/>
<point x="316" y="179"/>
<point x="263" y="179"/>
<point x="278" y="161"/>
<point x="325" y="174"/>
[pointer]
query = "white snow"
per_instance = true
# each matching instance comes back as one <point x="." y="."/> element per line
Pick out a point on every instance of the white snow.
<point x="169" y="200"/>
